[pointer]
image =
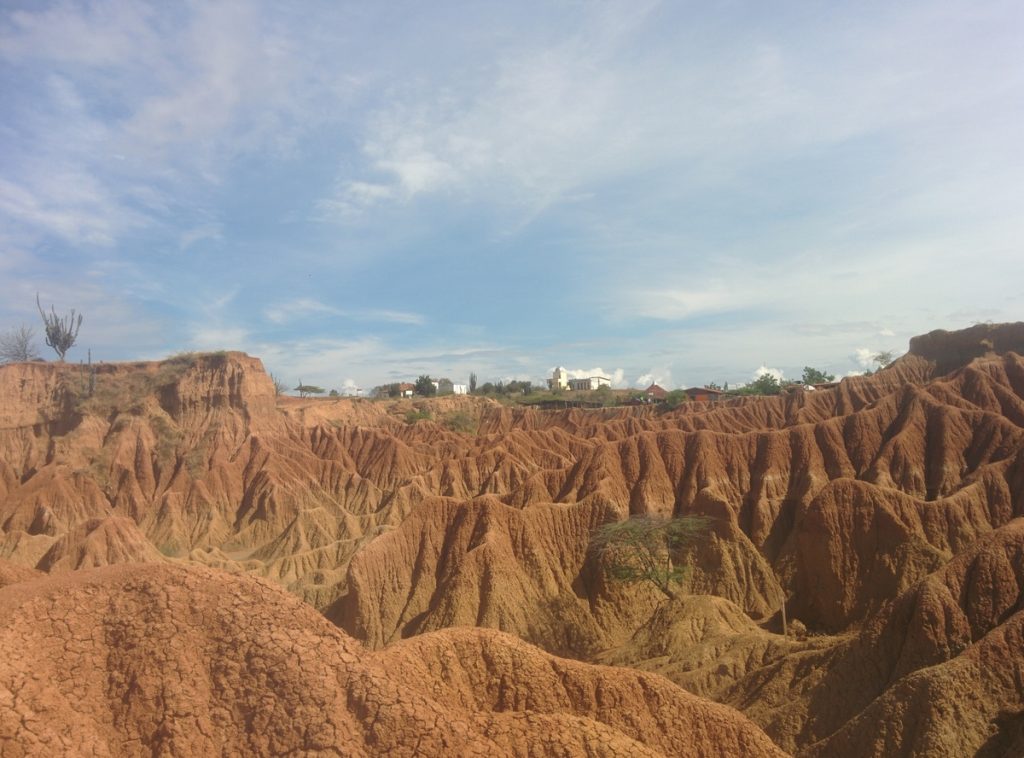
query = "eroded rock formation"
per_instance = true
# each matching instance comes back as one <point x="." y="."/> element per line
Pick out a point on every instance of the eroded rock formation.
<point x="884" y="512"/>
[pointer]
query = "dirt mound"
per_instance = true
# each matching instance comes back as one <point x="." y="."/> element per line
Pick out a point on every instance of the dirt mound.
<point x="100" y="542"/>
<point x="188" y="661"/>
<point x="702" y="642"/>
<point x="485" y="671"/>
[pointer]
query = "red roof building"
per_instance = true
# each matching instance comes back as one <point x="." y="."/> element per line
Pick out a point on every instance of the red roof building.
<point x="655" y="393"/>
<point x="705" y="394"/>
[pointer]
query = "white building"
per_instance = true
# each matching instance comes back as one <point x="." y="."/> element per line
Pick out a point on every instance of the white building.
<point x="448" y="387"/>
<point x="589" y="383"/>
<point x="559" y="379"/>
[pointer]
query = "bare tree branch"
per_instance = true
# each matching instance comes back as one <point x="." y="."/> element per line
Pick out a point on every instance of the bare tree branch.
<point x="18" y="345"/>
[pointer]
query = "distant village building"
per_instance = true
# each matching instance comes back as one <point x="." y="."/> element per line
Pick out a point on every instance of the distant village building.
<point x="589" y="383"/>
<point x="559" y="379"/>
<point x="448" y="387"/>
<point x="406" y="390"/>
<point x="703" y="394"/>
<point x="655" y="394"/>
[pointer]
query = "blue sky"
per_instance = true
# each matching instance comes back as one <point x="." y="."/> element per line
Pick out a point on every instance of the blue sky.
<point x="360" y="193"/>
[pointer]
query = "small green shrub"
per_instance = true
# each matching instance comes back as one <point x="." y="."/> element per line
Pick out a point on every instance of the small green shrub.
<point x="418" y="414"/>
<point x="459" y="421"/>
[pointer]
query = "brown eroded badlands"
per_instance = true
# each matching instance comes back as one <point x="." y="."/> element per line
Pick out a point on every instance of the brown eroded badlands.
<point x="175" y="660"/>
<point x="886" y="513"/>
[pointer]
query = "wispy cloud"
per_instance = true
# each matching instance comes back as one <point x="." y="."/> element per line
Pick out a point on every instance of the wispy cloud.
<point x="210" y="231"/>
<point x="676" y="190"/>
<point x="302" y="308"/>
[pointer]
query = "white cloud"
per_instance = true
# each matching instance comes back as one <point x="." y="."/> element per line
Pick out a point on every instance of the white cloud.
<point x="660" y="376"/>
<point x="765" y="370"/>
<point x="395" y="317"/>
<point x="218" y="338"/>
<point x="286" y="312"/>
<point x="300" y="307"/>
<point x="135" y="108"/>
<point x="102" y="34"/>
<point x="370" y="360"/>
<point x="703" y="165"/>
<point x="350" y="387"/>
<point x="672" y="304"/>
<point x="210" y="231"/>
<point x="71" y="205"/>
<point x="865" y="357"/>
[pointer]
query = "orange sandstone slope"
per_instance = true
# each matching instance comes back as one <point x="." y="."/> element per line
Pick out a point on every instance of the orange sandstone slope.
<point x="841" y="501"/>
<point x="166" y="660"/>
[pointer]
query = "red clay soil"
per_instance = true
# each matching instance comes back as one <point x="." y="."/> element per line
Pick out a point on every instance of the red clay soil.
<point x="148" y="660"/>
<point x="857" y="505"/>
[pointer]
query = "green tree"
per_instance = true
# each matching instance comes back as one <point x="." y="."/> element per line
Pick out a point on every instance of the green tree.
<point x="516" y="387"/>
<point x="766" y="384"/>
<point x="418" y="414"/>
<point x="61" y="333"/>
<point x="641" y="549"/>
<point x="816" y="376"/>
<point x="883" y="358"/>
<point x="305" y="390"/>
<point x="459" y="421"/>
<point x="472" y="383"/>
<point x="675" y="398"/>
<point x="425" y="386"/>
<point x="385" y="390"/>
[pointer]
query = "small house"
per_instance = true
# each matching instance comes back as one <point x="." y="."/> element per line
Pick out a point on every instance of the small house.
<point x="703" y="394"/>
<point x="655" y="394"/>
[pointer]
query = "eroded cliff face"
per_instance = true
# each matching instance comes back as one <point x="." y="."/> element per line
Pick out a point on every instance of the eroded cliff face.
<point x="857" y="506"/>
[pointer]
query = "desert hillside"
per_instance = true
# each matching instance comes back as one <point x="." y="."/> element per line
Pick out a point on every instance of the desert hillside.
<point x="885" y="514"/>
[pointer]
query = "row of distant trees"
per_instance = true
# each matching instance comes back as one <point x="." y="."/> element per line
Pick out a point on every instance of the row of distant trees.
<point x="424" y="386"/>
<point x="19" y="344"/>
<point x="766" y="384"/>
